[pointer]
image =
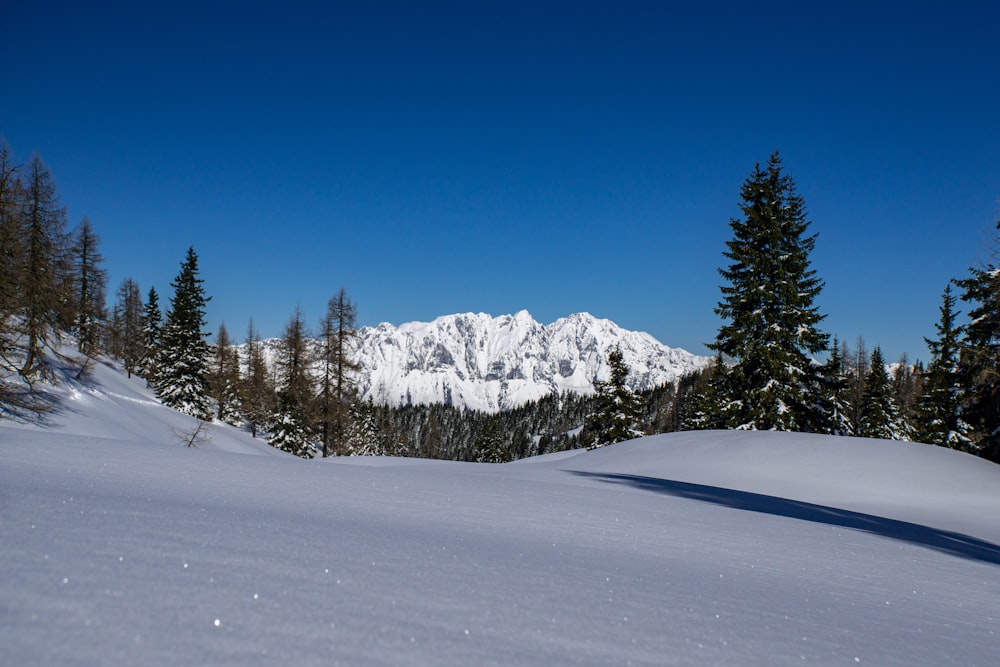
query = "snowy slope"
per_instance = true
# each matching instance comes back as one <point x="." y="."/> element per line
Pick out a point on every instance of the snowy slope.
<point x="108" y="405"/>
<point x="688" y="549"/>
<point x="494" y="363"/>
<point x="121" y="547"/>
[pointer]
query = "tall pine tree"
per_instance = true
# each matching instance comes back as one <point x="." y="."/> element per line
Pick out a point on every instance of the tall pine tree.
<point x="182" y="367"/>
<point x="768" y="304"/>
<point x="980" y="355"/>
<point x="939" y="421"/>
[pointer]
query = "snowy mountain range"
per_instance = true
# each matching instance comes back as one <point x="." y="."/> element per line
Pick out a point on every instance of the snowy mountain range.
<point x="495" y="363"/>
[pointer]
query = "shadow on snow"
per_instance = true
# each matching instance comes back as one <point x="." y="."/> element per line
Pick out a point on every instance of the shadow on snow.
<point x="955" y="544"/>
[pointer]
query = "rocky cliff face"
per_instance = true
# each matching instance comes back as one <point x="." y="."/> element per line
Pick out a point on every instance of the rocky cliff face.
<point x="494" y="363"/>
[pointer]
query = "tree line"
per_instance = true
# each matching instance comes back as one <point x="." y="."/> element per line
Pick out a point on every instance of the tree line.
<point x="765" y="374"/>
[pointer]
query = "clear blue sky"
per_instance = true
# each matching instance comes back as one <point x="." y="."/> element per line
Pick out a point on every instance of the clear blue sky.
<point x="435" y="158"/>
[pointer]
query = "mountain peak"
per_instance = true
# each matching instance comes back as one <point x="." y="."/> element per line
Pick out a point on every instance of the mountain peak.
<point x="488" y="363"/>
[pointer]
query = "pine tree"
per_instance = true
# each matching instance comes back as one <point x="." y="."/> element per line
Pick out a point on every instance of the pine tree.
<point x="938" y="410"/>
<point x="288" y="433"/>
<point x="337" y="373"/>
<point x="832" y="393"/>
<point x="768" y="303"/>
<point x="615" y="416"/>
<point x="879" y="416"/>
<point x="979" y="359"/>
<point x="182" y="369"/>
<point x="91" y="282"/>
<point x="42" y="289"/>
<point x="152" y="326"/>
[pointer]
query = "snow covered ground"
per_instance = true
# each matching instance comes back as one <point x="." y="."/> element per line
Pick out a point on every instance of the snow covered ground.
<point x="121" y="547"/>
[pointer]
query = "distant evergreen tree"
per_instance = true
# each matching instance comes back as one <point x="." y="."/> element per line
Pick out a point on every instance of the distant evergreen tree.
<point x="615" y="415"/>
<point x="938" y="410"/>
<point x="182" y="366"/>
<point x="701" y="408"/>
<point x="832" y="393"/>
<point x="979" y="360"/>
<point x="906" y="383"/>
<point x="288" y="432"/>
<point x="90" y="280"/>
<point x="879" y="416"/>
<point x="152" y="326"/>
<point x="769" y="306"/>
<point x="363" y="437"/>
<point x="490" y="446"/>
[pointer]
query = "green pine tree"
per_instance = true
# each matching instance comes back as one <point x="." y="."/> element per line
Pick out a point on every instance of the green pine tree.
<point x="879" y="415"/>
<point x="152" y="326"/>
<point x="615" y="416"/>
<point x="768" y="304"/>
<point x="182" y="366"/>
<point x="939" y="421"/>
<point x="979" y="360"/>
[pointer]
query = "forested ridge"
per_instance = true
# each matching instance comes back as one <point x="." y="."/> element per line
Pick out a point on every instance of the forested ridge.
<point x="775" y="368"/>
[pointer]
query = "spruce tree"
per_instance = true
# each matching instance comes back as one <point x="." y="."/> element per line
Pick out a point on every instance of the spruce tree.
<point x="879" y="416"/>
<point x="182" y="366"/>
<point x="979" y="360"/>
<point x="768" y="305"/>
<point x="152" y="326"/>
<point x="832" y="392"/>
<point x="11" y="252"/>
<point x="615" y="415"/>
<point x="939" y="420"/>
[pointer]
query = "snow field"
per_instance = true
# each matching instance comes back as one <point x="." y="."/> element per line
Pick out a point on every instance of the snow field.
<point x="121" y="547"/>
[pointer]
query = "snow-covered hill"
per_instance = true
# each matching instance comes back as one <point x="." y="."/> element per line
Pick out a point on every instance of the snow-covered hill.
<point x="121" y="547"/>
<point x="495" y="363"/>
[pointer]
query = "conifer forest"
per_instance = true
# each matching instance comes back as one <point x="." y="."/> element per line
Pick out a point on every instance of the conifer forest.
<point x="775" y="366"/>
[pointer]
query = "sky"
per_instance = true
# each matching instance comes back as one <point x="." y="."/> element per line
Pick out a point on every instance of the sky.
<point x="445" y="157"/>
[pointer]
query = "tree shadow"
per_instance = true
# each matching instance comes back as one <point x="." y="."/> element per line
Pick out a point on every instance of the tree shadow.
<point x="955" y="544"/>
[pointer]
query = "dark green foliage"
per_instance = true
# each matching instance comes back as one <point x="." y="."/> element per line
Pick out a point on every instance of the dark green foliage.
<point x="832" y="393"/>
<point x="939" y="419"/>
<point x="879" y="416"/>
<point x="615" y="415"/>
<point x="182" y="364"/>
<point x="152" y="327"/>
<point x="771" y="328"/>
<point x="979" y="359"/>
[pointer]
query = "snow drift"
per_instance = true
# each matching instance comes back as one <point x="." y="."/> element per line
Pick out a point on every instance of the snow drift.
<point x="122" y="547"/>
